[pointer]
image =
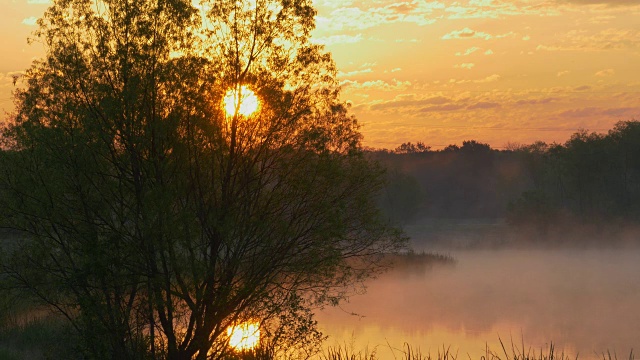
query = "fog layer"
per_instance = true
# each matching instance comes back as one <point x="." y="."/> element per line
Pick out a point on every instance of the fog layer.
<point x="584" y="301"/>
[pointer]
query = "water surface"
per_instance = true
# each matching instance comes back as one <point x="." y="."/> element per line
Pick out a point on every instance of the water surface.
<point x="585" y="301"/>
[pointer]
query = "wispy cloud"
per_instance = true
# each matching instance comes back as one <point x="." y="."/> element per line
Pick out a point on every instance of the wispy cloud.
<point x="469" y="51"/>
<point x="582" y="88"/>
<point x="488" y="79"/>
<point x="466" y="33"/>
<point x="355" y="72"/>
<point x="604" y="73"/>
<point x="611" y="3"/>
<point x="410" y="101"/>
<point x="338" y="39"/>
<point x="369" y="15"/>
<point x="488" y="9"/>
<point x="30" y="21"/>
<point x="442" y="108"/>
<point x="394" y="85"/>
<point x="483" y="105"/>
<point x="604" y="40"/>
<point x="467" y="66"/>
<point x="536" y="101"/>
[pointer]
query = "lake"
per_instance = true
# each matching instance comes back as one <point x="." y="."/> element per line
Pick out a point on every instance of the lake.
<point x="585" y="301"/>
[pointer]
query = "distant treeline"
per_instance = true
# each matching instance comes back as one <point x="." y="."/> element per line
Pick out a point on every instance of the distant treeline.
<point x="590" y="178"/>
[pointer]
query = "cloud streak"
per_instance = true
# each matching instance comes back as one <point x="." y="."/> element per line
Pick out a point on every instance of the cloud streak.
<point x="30" y="21"/>
<point x="466" y="33"/>
<point x="369" y="15"/>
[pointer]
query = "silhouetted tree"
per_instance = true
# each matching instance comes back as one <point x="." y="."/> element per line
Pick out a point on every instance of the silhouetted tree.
<point x="472" y="146"/>
<point x="592" y="177"/>
<point x="409" y="148"/>
<point x="152" y="219"/>
<point x="402" y="197"/>
<point x="451" y="148"/>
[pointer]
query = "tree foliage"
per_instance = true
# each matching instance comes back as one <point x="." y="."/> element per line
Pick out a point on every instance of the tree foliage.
<point x="410" y="148"/>
<point x="151" y="218"/>
<point x="591" y="177"/>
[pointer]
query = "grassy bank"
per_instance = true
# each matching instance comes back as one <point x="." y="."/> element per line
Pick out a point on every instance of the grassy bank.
<point x="507" y="351"/>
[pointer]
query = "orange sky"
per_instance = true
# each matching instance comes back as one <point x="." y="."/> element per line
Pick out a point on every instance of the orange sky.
<point x="446" y="71"/>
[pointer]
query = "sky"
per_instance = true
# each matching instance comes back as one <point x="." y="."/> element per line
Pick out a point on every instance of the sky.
<point x="441" y="72"/>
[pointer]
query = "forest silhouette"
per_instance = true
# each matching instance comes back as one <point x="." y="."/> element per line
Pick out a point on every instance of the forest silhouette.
<point x="591" y="180"/>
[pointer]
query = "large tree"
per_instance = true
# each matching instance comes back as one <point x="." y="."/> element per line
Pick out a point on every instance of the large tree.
<point x="152" y="218"/>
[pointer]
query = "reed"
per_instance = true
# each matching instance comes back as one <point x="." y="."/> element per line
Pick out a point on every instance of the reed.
<point x="509" y="351"/>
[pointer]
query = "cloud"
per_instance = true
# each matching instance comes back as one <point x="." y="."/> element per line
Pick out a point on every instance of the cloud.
<point x="601" y="19"/>
<point x="582" y="88"/>
<point x="438" y="108"/>
<point x="490" y="78"/>
<point x="466" y="33"/>
<point x="604" y="40"/>
<point x="30" y="21"/>
<point x="578" y="113"/>
<point x="333" y="3"/>
<point x="604" y="73"/>
<point x="487" y="9"/>
<point x="488" y="52"/>
<point x="394" y="85"/>
<point x="483" y="105"/>
<point x="467" y="66"/>
<point x="592" y="111"/>
<point x="562" y="73"/>
<point x="368" y="16"/>
<point x="536" y="101"/>
<point x="620" y="112"/>
<point x="355" y="72"/>
<point x="469" y="51"/>
<point x="410" y="101"/>
<point x="611" y="3"/>
<point x="338" y="39"/>
<point x="402" y="8"/>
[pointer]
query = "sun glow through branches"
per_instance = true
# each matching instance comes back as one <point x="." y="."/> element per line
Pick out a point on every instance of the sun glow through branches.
<point x="244" y="336"/>
<point x="242" y="99"/>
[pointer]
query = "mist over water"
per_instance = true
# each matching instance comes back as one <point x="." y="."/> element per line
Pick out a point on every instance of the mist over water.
<point x="585" y="301"/>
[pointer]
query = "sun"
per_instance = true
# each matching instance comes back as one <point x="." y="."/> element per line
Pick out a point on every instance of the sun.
<point x="244" y="336"/>
<point x="243" y="99"/>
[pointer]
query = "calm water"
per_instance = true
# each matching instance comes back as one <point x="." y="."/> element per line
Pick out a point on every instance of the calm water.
<point x="585" y="301"/>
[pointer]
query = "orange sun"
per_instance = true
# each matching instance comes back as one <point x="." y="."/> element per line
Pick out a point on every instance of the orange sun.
<point x="242" y="99"/>
<point x="244" y="336"/>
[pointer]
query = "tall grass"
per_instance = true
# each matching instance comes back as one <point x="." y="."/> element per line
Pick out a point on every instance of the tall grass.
<point x="343" y="352"/>
<point x="507" y="352"/>
<point x="29" y="332"/>
<point x="38" y="338"/>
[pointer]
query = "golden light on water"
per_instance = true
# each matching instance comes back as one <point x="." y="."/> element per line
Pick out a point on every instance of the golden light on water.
<point x="243" y="99"/>
<point x="244" y="336"/>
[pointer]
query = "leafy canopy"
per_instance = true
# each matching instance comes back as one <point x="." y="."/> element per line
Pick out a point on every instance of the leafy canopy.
<point x="151" y="218"/>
